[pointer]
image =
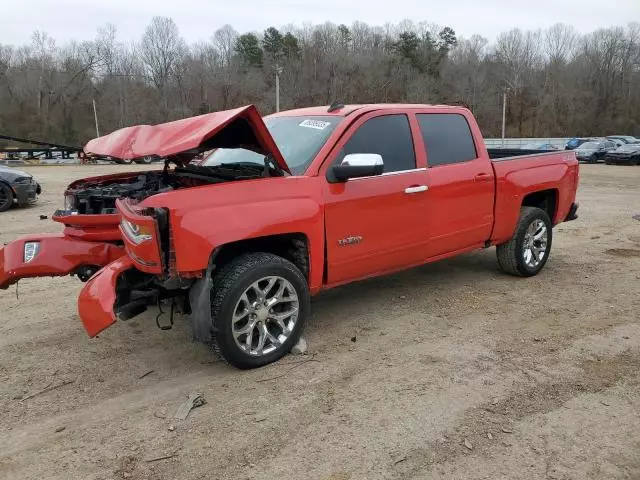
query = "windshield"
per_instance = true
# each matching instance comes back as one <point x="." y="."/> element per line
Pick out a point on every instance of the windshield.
<point x="298" y="138"/>
<point x="589" y="146"/>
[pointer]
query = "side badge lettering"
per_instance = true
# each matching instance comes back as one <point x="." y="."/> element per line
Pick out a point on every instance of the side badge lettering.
<point x="349" y="241"/>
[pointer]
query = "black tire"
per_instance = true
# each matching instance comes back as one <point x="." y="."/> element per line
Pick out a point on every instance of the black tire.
<point x="229" y="285"/>
<point x="144" y="160"/>
<point x="636" y="161"/>
<point x="6" y="197"/>
<point x="511" y="254"/>
<point x="593" y="159"/>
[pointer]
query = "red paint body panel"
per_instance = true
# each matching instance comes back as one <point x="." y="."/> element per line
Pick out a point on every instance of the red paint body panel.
<point x="210" y="216"/>
<point x="92" y="228"/>
<point x="518" y="177"/>
<point x="97" y="298"/>
<point x="180" y="136"/>
<point x="59" y="255"/>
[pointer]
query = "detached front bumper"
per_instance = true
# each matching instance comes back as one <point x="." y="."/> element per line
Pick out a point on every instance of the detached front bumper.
<point x="55" y="255"/>
<point x="98" y="297"/>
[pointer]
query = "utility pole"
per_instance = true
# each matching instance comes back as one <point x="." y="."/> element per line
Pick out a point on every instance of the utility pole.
<point x="504" y="112"/>
<point x="95" y="116"/>
<point x="278" y="70"/>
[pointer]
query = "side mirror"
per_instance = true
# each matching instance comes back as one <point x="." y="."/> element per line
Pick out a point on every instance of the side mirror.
<point x="357" y="165"/>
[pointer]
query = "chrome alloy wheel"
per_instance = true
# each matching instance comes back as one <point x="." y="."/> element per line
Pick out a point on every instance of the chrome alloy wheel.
<point x="535" y="243"/>
<point x="265" y="315"/>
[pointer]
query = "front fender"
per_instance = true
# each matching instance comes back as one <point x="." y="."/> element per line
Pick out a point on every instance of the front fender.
<point x="204" y="218"/>
<point x="233" y="223"/>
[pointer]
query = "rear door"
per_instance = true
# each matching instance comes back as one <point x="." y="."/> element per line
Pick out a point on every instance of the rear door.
<point x="376" y="224"/>
<point x="461" y="183"/>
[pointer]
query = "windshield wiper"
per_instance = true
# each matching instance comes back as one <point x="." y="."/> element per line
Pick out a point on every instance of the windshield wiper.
<point x="270" y="163"/>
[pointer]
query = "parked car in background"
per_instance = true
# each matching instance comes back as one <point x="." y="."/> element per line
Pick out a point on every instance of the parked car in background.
<point x="617" y="141"/>
<point x="18" y="187"/>
<point x="538" y="146"/>
<point x="574" y="143"/>
<point x="624" y="138"/>
<point x="593" y="151"/>
<point x="628" y="154"/>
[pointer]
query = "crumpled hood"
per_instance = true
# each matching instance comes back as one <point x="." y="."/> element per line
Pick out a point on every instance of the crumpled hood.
<point x="182" y="139"/>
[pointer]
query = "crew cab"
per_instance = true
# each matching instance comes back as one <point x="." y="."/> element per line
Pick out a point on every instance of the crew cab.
<point x="286" y="207"/>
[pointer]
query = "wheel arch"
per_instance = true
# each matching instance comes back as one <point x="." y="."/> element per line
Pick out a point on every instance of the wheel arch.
<point x="4" y="183"/>
<point x="546" y="200"/>
<point x="291" y="246"/>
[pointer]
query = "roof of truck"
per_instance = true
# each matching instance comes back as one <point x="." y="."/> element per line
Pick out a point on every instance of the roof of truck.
<point x="345" y="110"/>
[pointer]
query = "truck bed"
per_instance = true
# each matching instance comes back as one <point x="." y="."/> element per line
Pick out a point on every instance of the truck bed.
<point x="518" y="175"/>
<point x="508" y="153"/>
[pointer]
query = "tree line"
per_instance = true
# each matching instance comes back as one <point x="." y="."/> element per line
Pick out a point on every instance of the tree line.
<point x="558" y="82"/>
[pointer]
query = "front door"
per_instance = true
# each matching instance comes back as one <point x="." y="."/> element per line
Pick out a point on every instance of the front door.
<point x="377" y="224"/>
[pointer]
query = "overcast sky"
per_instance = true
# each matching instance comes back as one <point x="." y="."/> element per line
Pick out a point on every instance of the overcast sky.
<point x="198" y="19"/>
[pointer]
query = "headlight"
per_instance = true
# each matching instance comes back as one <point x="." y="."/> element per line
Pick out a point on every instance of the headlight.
<point x="22" y="180"/>
<point x="136" y="233"/>
<point x="69" y="202"/>
<point x="31" y="249"/>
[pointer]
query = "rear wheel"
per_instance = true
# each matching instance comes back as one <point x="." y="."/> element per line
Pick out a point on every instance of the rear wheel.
<point x="528" y="250"/>
<point x="6" y="197"/>
<point x="260" y="303"/>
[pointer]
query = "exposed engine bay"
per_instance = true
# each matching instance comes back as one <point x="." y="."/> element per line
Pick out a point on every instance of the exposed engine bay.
<point x="98" y="195"/>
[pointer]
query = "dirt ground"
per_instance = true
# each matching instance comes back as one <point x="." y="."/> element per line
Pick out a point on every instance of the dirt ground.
<point x="448" y="371"/>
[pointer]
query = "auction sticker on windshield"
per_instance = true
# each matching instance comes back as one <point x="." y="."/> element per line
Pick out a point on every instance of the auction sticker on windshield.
<point x="317" y="124"/>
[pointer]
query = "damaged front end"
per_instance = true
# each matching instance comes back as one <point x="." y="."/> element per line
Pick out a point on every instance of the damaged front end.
<point x="120" y="292"/>
<point x="146" y="276"/>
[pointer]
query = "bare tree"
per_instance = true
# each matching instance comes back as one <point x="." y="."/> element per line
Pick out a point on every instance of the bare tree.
<point x="161" y="50"/>
<point x="561" y="82"/>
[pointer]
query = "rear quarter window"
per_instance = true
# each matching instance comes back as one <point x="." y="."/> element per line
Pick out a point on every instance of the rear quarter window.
<point x="447" y="138"/>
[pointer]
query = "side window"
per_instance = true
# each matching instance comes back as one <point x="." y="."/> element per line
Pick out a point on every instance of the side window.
<point x="388" y="136"/>
<point x="447" y="138"/>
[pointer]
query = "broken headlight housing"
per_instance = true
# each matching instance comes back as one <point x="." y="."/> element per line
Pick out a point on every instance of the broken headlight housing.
<point x="136" y="233"/>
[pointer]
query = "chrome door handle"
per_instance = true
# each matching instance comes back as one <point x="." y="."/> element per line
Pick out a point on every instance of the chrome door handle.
<point x="416" y="189"/>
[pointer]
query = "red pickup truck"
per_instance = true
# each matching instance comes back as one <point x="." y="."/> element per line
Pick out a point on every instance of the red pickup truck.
<point x="288" y="206"/>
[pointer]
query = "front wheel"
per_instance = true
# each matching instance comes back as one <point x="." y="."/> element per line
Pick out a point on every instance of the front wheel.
<point x="6" y="197"/>
<point x="528" y="250"/>
<point x="260" y="303"/>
